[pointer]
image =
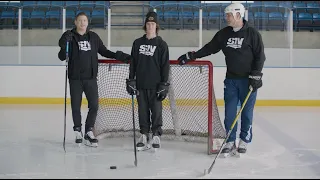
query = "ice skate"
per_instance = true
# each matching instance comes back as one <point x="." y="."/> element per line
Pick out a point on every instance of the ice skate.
<point x="143" y="143"/>
<point x="228" y="150"/>
<point x="242" y="148"/>
<point x="155" y="143"/>
<point x="90" y="139"/>
<point x="79" y="136"/>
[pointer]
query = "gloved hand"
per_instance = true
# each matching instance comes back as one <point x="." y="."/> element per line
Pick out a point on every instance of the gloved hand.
<point x="162" y="90"/>
<point x="185" y="58"/>
<point x="66" y="37"/>
<point x="121" y="56"/>
<point x="131" y="86"/>
<point x="255" y="80"/>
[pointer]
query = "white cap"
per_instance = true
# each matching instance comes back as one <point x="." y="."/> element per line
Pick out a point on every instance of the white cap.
<point x="235" y="8"/>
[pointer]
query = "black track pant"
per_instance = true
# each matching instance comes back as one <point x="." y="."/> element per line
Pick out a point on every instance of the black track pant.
<point x="90" y="88"/>
<point x="148" y="105"/>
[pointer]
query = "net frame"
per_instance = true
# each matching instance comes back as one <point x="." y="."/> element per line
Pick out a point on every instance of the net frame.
<point x="213" y="141"/>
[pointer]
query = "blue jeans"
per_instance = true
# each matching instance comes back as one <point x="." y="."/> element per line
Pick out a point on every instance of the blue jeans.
<point x="236" y="90"/>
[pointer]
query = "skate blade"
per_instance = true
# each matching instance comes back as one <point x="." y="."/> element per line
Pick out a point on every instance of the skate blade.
<point x="235" y="154"/>
<point x="143" y="148"/>
<point x="88" y="143"/>
<point x="224" y="155"/>
<point x="155" y="149"/>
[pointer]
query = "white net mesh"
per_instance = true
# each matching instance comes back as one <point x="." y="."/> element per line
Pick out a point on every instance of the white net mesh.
<point x="190" y="111"/>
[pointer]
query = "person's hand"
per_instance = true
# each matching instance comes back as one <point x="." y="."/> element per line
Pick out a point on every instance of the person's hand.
<point x="131" y="86"/>
<point x="121" y="56"/>
<point x="66" y="37"/>
<point x="162" y="90"/>
<point x="255" y="81"/>
<point x="185" y="58"/>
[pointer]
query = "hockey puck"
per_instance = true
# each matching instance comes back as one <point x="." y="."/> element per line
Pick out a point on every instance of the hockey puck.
<point x="113" y="167"/>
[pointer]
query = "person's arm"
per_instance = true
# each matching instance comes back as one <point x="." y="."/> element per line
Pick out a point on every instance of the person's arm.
<point x="131" y="82"/>
<point x="62" y="54"/>
<point x="165" y="64"/>
<point x="66" y="37"/>
<point x="103" y="51"/>
<point x="163" y="86"/>
<point x="258" y="52"/>
<point x="212" y="47"/>
<point x="132" y="68"/>
<point x="255" y="76"/>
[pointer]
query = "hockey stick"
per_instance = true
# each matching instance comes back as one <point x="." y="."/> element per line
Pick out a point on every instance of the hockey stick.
<point x="134" y="133"/>
<point x="65" y="99"/>
<point x="232" y="126"/>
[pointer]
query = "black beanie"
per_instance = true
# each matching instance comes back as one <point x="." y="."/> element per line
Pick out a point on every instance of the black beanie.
<point x="151" y="17"/>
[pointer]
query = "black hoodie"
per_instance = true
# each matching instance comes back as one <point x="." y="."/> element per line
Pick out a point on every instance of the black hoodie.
<point x="243" y="50"/>
<point x="150" y="64"/>
<point x="83" y="54"/>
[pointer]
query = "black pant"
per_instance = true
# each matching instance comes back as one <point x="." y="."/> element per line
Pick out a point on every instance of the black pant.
<point x="90" y="88"/>
<point x="148" y="103"/>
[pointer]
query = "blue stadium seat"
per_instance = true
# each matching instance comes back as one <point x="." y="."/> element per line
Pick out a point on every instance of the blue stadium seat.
<point x="37" y="19"/>
<point x="313" y="8"/>
<point x="188" y="20"/>
<point x="171" y="14"/>
<point x="53" y="14"/>
<point x="3" y="6"/>
<point x="13" y="6"/>
<point x="215" y="14"/>
<point x="98" y="19"/>
<point x="261" y="20"/>
<point x="214" y="20"/>
<point x="316" y="21"/>
<point x="196" y="14"/>
<point x="86" y="5"/>
<point x="72" y="5"/>
<point x="53" y="19"/>
<point x="271" y="6"/>
<point x="57" y="5"/>
<point x="299" y="7"/>
<point x="70" y="15"/>
<point x="170" y="6"/>
<point x="7" y="17"/>
<point x="101" y="5"/>
<point x="275" y="21"/>
<point x="29" y="5"/>
<point x="216" y="7"/>
<point x="171" y="19"/>
<point x="43" y="5"/>
<point x="304" y="21"/>
<point x="154" y="4"/>
<point x="186" y="14"/>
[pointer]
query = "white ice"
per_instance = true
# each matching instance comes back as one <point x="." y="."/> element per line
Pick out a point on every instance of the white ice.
<point x="285" y="145"/>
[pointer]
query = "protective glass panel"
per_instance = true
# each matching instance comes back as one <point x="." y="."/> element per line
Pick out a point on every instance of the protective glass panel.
<point x="9" y="33"/>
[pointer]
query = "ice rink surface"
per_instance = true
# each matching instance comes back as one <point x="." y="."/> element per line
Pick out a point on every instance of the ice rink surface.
<point x="285" y="145"/>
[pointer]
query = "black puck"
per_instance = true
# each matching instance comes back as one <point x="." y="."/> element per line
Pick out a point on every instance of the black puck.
<point x="113" y="167"/>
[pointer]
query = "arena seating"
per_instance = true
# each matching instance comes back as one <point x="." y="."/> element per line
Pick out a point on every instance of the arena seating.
<point x="265" y="15"/>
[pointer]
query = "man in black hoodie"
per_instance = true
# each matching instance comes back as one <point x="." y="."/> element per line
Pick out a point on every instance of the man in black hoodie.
<point x="84" y="46"/>
<point x="244" y="55"/>
<point x="149" y="71"/>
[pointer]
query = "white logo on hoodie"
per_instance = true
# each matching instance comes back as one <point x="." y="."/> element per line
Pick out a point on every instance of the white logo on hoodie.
<point x="235" y="42"/>
<point x="84" y="45"/>
<point x="147" y="50"/>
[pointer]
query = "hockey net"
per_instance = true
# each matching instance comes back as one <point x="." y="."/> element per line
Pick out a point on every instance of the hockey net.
<point x="190" y="111"/>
